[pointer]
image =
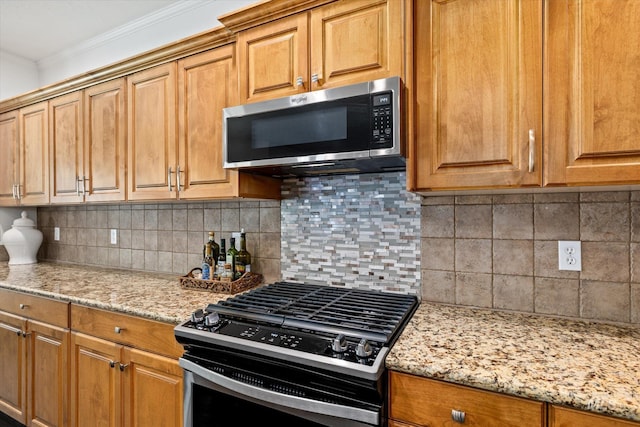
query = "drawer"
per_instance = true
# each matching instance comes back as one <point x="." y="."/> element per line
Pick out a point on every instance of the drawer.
<point x="429" y="402"/>
<point x="35" y="307"/>
<point x="145" y="334"/>
<point x="564" y="417"/>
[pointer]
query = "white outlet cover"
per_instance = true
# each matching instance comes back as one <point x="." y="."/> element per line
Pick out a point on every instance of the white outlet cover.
<point x="570" y="255"/>
<point x="114" y="236"/>
<point x="56" y="233"/>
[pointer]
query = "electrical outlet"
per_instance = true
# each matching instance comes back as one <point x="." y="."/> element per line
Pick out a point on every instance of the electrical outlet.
<point x="570" y="255"/>
<point x="114" y="236"/>
<point x="56" y="233"/>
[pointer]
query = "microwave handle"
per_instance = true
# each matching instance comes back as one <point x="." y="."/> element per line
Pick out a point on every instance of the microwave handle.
<point x="253" y="393"/>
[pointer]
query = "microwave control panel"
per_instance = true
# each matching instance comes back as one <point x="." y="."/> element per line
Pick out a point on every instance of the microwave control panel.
<point x="382" y="120"/>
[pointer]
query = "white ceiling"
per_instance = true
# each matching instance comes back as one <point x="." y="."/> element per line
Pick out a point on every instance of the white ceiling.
<point x="37" y="29"/>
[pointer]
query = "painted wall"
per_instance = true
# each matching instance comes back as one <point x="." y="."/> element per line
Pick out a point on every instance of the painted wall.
<point x="17" y="75"/>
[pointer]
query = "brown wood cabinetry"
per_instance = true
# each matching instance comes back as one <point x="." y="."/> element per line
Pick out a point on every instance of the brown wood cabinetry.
<point x="481" y="68"/>
<point x="426" y="402"/>
<point x="333" y="45"/>
<point x="24" y="160"/>
<point x="207" y="83"/>
<point x="124" y="370"/>
<point x="565" y="417"/>
<point x="479" y="94"/>
<point x="9" y="165"/>
<point x="34" y="373"/>
<point x="592" y="106"/>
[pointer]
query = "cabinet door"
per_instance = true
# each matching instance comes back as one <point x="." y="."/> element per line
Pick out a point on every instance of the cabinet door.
<point x="431" y="403"/>
<point x="66" y="145"/>
<point x="105" y="141"/>
<point x="95" y="382"/>
<point x="207" y="83"/>
<point x="48" y="375"/>
<point x="151" y="136"/>
<point x="479" y="94"/>
<point x="13" y="367"/>
<point x="356" y="41"/>
<point x="152" y="390"/>
<point x="273" y="58"/>
<point x="34" y="154"/>
<point x="592" y="109"/>
<point x="565" y="417"/>
<point x="8" y="157"/>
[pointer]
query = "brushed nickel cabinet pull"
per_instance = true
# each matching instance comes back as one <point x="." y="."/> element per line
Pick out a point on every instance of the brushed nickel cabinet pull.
<point x="457" y="416"/>
<point x="123" y="367"/>
<point x="112" y="363"/>
<point x="77" y="185"/>
<point x="178" y="184"/>
<point x="299" y="81"/>
<point x="532" y="150"/>
<point x="23" y="306"/>
<point x="169" y="179"/>
<point x="13" y="191"/>
<point x="118" y="329"/>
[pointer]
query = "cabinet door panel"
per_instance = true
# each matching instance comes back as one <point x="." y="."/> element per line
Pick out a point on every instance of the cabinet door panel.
<point x="48" y="375"/>
<point x="34" y="154"/>
<point x="152" y="133"/>
<point x="13" y="368"/>
<point x="207" y="83"/>
<point x="95" y="385"/>
<point x="8" y="157"/>
<point x="105" y="141"/>
<point x="479" y="96"/>
<point x="271" y="57"/>
<point x="593" y="103"/>
<point x="356" y="41"/>
<point x="152" y="391"/>
<point x="66" y="144"/>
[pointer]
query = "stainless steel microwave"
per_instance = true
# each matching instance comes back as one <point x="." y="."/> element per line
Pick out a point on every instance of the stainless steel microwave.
<point x="350" y="129"/>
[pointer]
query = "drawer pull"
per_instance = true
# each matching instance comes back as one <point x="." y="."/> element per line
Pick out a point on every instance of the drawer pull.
<point x="457" y="416"/>
<point x="112" y="363"/>
<point x="23" y="306"/>
<point x="123" y="367"/>
<point x="118" y="329"/>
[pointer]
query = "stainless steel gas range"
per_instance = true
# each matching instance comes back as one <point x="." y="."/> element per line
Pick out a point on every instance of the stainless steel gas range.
<point x="291" y="353"/>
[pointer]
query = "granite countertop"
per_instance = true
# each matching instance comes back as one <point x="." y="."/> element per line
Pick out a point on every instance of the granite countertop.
<point x="589" y="366"/>
<point x="154" y="296"/>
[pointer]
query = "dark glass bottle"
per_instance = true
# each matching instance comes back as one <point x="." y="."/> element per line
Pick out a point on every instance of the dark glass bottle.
<point x="232" y="252"/>
<point x="215" y="249"/>
<point x="222" y="259"/>
<point x="243" y="259"/>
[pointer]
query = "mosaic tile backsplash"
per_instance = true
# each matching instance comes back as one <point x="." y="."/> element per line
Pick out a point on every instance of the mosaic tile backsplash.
<point x="359" y="231"/>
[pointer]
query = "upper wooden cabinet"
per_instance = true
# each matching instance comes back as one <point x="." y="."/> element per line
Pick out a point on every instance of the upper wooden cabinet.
<point x="481" y="70"/>
<point x="33" y="154"/>
<point x="24" y="156"/>
<point x="479" y="94"/>
<point x="333" y="45"/>
<point x="592" y="106"/>
<point x="9" y="164"/>
<point x="207" y="83"/>
<point x="87" y="142"/>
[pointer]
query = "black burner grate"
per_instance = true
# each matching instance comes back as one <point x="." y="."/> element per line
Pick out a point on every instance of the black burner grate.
<point x="324" y="308"/>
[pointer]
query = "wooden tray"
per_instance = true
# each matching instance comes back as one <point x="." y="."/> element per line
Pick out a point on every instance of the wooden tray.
<point x="246" y="281"/>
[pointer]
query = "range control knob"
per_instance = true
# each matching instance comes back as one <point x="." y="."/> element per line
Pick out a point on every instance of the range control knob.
<point x="197" y="316"/>
<point x="364" y="349"/>
<point x="339" y="344"/>
<point x="212" y="319"/>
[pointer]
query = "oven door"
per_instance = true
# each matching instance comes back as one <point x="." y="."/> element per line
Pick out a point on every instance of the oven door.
<point x="234" y="396"/>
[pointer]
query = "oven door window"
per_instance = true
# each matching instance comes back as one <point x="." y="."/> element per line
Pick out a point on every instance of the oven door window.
<point x="211" y="407"/>
<point x="341" y="125"/>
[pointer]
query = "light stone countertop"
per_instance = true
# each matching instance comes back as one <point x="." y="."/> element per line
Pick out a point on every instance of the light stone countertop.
<point x="589" y="366"/>
<point x="153" y="296"/>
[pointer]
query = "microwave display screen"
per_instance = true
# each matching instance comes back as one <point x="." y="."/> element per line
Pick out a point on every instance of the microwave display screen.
<point x="307" y="127"/>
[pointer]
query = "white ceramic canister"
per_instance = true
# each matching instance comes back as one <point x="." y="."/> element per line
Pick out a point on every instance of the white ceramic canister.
<point x="22" y="241"/>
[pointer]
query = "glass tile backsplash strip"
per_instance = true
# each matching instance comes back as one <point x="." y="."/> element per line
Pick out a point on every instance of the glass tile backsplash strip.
<point x="359" y="231"/>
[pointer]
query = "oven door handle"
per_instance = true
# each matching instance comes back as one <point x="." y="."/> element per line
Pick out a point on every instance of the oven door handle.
<point x="266" y="397"/>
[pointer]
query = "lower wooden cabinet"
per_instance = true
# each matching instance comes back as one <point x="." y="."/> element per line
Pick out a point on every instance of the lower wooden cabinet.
<point x="34" y="371"/>
<point x="565" y="417"/>
<point x="424" y="402"/>
<point x="115" y="384"/>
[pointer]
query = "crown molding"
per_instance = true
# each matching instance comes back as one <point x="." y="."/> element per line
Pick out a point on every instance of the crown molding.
<point x="127" y="29"/>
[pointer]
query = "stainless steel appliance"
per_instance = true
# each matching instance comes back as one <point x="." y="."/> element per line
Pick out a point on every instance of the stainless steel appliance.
<point x="293" y="354"/>
<point x="351" y="129"/>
